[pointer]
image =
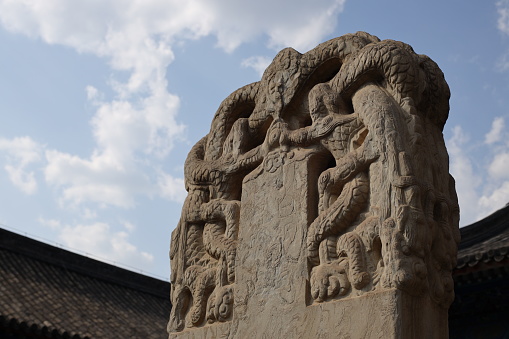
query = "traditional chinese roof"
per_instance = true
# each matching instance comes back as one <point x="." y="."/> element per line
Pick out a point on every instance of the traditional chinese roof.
<point x="484" y="244"/>
<point x="48" y="292"/>
<point x="481" y="280"/>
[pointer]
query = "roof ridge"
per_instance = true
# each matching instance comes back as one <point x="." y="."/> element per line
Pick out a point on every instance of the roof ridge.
<point x="484" y="229"/>
<point x="80" y="264"/>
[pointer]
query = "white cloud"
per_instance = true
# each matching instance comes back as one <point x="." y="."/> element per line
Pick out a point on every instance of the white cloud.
<point x="129" y="226"/>
<point x="171" y="188"/>
<point x="502" y="64"/>
<point x="298" y="24"/>
<point x="136" y="130"/>
<point x="316" y="19"/>
<point x="122" y="127"/>
<point x="98" y="238"/>
<point x="130" y="141"/>
<point x="92" y="94"/>
<point x="87" y="213"/>
<point x="467" y="181"/>
<point x="258" y="63"/>
<point x="495" y="200"/>
<point x="102" y="179"/>
<point x="503" y="26"/>
<point x="496" y="182"/>
<point x="20" y="153"/>
<point x="499" y="166"/>
<point x="495" y="134"/>
<point x="54" y="224"/>
<point x="503" y="16"/>
<point x="21" y="179"/>
<point x="137" y="35"/>
<point x="482" y="183"/>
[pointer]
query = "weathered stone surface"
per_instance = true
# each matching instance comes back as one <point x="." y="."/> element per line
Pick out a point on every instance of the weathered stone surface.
<point x="320" y="203"/>
<point x="386" y="314"/>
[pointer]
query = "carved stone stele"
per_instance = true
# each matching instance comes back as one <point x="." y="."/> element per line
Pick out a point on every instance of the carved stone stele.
<point x="320" y="204"/>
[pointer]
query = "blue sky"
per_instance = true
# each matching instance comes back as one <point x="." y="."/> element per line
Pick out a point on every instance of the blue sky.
<point x="100" y="102"/>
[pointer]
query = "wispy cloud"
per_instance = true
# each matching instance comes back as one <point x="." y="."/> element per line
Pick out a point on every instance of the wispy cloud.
<point x="171" y="188"/>
<point x="482" y="183"/>
<point x="99" y="239"/>
<point x="503" y="16"/>
<point x="137" y="128"/>
<point x="503" y="27"/>
<point x="499" y="166"/>
<point x="467" y="180"/>
<point x="495" y="134"/>
<point x="258" y="63"/>
<point x="20" y="153"/>
<point x="494" y="199"/>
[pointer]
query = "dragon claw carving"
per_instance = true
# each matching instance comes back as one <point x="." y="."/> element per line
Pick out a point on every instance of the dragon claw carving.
<point x="329" y="280"/>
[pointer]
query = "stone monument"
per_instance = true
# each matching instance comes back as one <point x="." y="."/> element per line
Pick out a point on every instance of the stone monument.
<point x="320" y="204"/>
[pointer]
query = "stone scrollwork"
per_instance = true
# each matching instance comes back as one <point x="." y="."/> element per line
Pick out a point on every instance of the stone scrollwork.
<point x="384" y="211"/>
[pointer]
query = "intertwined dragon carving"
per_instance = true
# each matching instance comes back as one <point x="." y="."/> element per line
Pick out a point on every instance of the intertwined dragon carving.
<point x="385" y="217"/>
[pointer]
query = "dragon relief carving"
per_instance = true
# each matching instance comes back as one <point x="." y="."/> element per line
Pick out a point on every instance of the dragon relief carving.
<point x="386" y="209"/>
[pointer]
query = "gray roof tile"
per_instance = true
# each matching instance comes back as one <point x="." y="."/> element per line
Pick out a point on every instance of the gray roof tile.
<point x="48" y="289"/>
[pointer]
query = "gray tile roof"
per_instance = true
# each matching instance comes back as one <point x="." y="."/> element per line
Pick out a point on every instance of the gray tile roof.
<point x="485" y="244"/>
<point x="48" y="292"/>
<point x="481" y="280"/>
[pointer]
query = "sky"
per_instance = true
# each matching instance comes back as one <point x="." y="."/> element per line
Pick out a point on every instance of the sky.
<point x="101" y="101"/>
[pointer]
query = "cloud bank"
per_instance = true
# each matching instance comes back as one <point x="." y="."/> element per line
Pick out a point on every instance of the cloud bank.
<point x="140" y="122"/>
<point x="135" y="130"/>
<point x="473" y="173"/>
<point x="20" y="153"/>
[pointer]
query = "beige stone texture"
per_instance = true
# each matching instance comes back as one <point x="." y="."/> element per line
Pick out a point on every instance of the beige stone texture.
<point x="386" y="314"/>
<point x="320" y="204"/>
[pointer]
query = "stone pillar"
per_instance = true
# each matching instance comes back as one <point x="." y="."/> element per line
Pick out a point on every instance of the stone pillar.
<point x="320" y="204"/>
